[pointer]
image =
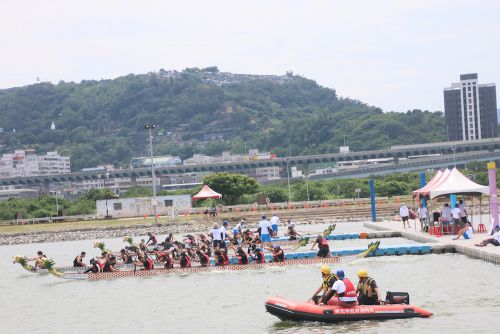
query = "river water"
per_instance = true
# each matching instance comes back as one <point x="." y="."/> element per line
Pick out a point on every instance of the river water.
<point x="461" y="292"/>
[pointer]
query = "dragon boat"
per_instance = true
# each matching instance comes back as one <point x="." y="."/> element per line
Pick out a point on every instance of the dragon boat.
<point x="299" y="258"/>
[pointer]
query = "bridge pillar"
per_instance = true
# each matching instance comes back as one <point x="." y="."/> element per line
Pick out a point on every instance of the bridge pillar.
<point x="46" y="188"/>
<point x="372" y="199"/>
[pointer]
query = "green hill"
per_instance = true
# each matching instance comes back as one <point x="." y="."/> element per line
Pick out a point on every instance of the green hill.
<point x="199" y="111"/>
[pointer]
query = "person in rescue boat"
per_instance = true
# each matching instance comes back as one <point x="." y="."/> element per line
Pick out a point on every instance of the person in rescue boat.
<point x="342" y="293"/>
<point x="328" y="280"/>
<point x="324" y="248"/>
<point x="367" y="289"/>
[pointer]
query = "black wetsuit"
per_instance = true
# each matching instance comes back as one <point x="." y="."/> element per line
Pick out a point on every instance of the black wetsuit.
<point x="93" y="269"/>
<point x="76" y="264"/>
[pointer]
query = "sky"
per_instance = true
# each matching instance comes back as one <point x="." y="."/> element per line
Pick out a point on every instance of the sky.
<point x="396" y="55"/>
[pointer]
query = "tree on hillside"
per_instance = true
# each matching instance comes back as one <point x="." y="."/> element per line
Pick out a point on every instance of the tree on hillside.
<point x="231" y="186"/>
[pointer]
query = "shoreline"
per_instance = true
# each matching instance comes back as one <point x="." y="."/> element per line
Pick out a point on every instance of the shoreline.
<point x="101" y="232"/>
<point x="189" y="227"/>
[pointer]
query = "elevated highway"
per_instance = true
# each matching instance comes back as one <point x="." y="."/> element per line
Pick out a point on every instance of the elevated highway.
<point x="487" y="148"/>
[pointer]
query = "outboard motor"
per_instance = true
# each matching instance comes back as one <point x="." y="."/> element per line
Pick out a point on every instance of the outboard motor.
<point x="397" y="298"/>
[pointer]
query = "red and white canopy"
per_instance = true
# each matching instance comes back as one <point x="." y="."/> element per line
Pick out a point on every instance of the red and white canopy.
<point x="458" y="183"/>
<point x="450" y="182"/>
<point x="206" y="192"/>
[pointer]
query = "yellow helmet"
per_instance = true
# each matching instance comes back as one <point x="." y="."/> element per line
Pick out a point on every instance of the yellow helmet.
<point x="362" y="273"/>
<point x="325" y="270"/>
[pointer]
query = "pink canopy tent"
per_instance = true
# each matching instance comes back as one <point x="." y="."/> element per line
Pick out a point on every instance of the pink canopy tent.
<point x="425" y="189"/>
<point x="207" y="192"/>
<point x="436" y="181"/>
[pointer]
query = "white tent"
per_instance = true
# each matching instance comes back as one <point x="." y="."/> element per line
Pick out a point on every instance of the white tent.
<point x="456" y="183"/>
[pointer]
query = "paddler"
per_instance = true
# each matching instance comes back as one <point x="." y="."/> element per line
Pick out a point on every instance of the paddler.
<point x="38" y="260"/>
<point x="185" y="261"/>
<point x="125" y="257"/>
<point x="109" y="266"/>
<point x="145" y="262"/>
<point x="94" y="268"/>
<point x="219" y="259"/>
<point x="241" y="256"/>
<point x="367" y="289"/>
<point x="259" y="255"/>
<point x="291" y="231"/>
<point x="324" y="248"/>
<point x="203" y="257"/>
<point x="328" y="280"/>
<point x="342" y="293"/>
<point x="152" y="239"/>
<point x="278" y="254"/>
<point x="78" y="261"/>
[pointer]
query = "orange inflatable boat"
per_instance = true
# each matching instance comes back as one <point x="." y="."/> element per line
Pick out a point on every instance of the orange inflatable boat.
<point x="286" y="309"/>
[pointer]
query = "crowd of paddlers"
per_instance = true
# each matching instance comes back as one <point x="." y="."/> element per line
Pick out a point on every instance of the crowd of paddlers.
<point x="214" y="248"/>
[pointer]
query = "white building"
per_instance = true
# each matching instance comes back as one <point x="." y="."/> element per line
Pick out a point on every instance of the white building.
<point x="27" y="163"/>
<point x="138" y="207"/>
<point x="54" y="164"/>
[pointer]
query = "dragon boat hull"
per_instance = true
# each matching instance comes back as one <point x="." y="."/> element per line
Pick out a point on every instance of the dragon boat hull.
<point x="159" y="272"/>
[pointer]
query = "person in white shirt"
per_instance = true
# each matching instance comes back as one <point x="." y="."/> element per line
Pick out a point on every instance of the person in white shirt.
<point x="466" y="232"/>
<point x="455" y="214"/>
<point x="264" y="226"/>
<point x="404" y="213"/>
<point x="445" y="213"/>
<point x="344" y="291"/>
<point x="274" y="224"/>
<point x="494" y="240"/>
<point x="215" y="234"/>
<point x="422" y="215"/>
<point x="238" y="229"/>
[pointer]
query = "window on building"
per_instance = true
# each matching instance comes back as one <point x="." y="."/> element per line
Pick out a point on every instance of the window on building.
<point x="168" y="202"/>
<point x="117" y="206"/>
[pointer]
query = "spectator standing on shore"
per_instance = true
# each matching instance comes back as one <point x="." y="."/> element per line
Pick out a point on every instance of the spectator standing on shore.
<point x="445" y="214"/>
<point x="404" y="213"/>
<point x="455" y="214"/>
<point x="422" y="215"/>
<point x="463" y="212"/>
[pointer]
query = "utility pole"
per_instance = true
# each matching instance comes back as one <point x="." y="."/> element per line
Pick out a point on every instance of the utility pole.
<point x="150" y="127"/>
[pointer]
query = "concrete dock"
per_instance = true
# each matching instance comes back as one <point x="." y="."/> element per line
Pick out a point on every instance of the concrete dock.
<point x="441" y="244"/>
